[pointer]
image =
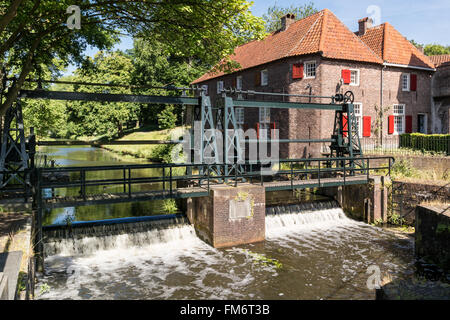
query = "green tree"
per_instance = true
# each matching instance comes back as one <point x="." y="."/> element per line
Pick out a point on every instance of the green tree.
<point x="432" y="49"/>
<point x="273" y="16"/>
<point x="35" y="32"/>
<point x="436" y="49"/>
<point x="155" y="65"/>
<point x="103" y="118"/>
<point x="167" y="118"/>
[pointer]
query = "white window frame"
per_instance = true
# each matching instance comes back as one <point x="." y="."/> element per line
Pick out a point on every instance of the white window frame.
<point x="219" y="87"/>
<point x="240" y="117"/>
<point x="205" y="88"/>
<point x="359" y="117"/>
<point x="408" y="77"/>
<point x="356" y="83"/>
<point x="305" y="69"/>
<point x="264" y="122"/>
<point x="264" y="77"/>
<point x="239" y="82"/>
<point x="399" y="115"/>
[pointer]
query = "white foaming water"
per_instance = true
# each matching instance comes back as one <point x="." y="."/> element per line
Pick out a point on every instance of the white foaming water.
<point x="296" y="218"/>
<point x="90" y="245"/>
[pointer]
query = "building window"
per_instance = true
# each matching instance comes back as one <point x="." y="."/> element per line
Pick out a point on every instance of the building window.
<point x="354" y="77"/>
<point x="205" y="89"/>
<point x="239" y="83"/>
<point x="264" y="123"/>
<point x="399" y="118"/>
<point x="239" y="112"/>
<point x="310" y="69"/>
<point x="405" y="81"/>
<point x="219" y="87"/>
<point x="358" y="108"/>
<point x="264" y="78"/>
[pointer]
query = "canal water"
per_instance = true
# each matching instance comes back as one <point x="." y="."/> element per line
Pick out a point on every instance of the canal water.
<point x="87" y="157"/>
<point x="311" y="252"/>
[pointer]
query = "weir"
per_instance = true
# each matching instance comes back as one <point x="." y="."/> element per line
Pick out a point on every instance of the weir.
<point x="86" y="238"/>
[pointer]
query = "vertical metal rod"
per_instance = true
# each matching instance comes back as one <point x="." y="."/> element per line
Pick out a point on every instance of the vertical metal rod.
<point x="171" y="191"/>
<point x="345" y="173"/>
<point x="390" y="166"/>
<point x="124" y="180"/>
<point x="319" y="173"/>
<point x="292" y="176"/>
<point x="129" y="182"/>
<point x="368" y="169"/>
<point x="164" y="178"/>
<point x="235" y="175"/>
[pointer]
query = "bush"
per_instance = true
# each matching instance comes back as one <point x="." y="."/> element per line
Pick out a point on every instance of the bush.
<point x="167" y="118"/>
<point x="426" y="142"/>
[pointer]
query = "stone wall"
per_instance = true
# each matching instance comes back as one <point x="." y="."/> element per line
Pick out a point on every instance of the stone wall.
<point x="432" y="244"/>
<point x="406" y="196"/>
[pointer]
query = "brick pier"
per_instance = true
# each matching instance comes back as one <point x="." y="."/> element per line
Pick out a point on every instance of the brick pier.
<point x="229" y="216"/>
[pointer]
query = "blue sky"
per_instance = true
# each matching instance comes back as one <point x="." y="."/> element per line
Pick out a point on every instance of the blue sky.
<point x="424" y="21"/>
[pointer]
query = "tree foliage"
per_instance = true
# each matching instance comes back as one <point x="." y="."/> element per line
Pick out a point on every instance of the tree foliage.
<point x="273" y="16"/>
<point x="432" y="49"/>
<point x="34" y="32"/>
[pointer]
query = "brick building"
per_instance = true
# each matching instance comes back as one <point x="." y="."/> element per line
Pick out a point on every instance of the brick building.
<point x="441" y="94"/>
<point x="319" y="55"/>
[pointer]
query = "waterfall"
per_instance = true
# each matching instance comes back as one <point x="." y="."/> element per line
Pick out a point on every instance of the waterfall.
<point x="88" y="237"/>
<point x="284" y="218"/>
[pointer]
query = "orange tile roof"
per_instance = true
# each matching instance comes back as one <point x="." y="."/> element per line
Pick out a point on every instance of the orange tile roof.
<point x="321" y="32"/>
<point x="440" y="60"/>
<point x="392" y="47"/>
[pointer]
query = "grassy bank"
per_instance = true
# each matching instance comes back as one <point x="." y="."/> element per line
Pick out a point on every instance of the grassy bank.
<point x="149" y="152"/>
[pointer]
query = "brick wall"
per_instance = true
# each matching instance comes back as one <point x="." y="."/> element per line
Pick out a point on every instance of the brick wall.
<point x="316" y="124"/>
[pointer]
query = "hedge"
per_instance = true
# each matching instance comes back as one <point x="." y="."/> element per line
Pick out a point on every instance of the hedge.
<point x="426" y="142"/>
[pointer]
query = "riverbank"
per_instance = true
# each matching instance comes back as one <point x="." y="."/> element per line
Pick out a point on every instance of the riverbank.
<point x="153" y="153"/>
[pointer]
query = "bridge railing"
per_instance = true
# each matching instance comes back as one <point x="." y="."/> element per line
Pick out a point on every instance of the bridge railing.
<point x="168" y="178"/>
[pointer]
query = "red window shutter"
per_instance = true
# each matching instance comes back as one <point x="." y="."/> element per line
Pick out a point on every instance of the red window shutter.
<point x="413" y="82"/>
<point x="297" y="71"/>
<point x="257" y="130"/>
<point x="346" y="76"/>
<point x="258" y="79"/>
<point x="345" y="125"/>
<point x="408" y="124"/>
<point x="391" y="125"/>
<point x="367" y="123"/>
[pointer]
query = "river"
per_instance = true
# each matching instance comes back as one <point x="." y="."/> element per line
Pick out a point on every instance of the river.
<point x="315" y="253"/>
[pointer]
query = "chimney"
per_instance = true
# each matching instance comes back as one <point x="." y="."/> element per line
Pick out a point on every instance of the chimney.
<point x="287" y="20"/>
<point x="364" y="24"/>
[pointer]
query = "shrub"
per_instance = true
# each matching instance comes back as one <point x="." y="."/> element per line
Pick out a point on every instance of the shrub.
<point x="439" y="143"/>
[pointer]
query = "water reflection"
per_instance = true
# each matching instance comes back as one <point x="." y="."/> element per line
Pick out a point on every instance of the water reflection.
<point x="87" y="157"/>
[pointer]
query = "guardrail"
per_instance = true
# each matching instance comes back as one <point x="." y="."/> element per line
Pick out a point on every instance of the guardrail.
<point x="206" y="174"/>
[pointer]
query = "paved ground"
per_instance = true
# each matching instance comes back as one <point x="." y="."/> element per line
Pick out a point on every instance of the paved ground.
<point x="10" y="225"/>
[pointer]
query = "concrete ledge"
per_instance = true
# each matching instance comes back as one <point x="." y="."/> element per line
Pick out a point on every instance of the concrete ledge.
<point x="10" y="266"/>
<point x="3" y="287"/>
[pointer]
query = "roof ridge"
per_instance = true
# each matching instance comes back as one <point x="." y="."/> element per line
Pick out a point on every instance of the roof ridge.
<point x="414" y="48"/>
<point x="383" y="41"/>
<point x="306" y="33"/>
<point x="356" y="37"/>
<point x="325" y="15"/>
